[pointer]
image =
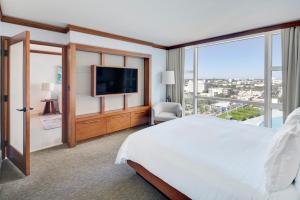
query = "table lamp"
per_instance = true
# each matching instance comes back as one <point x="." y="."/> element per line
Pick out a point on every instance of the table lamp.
<point x="47" y="88"/>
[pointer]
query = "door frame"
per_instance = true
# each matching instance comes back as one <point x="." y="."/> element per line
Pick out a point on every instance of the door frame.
<point x="5" y="121"/>
<point x="4" y="96"/>
<point x="64" y="131"/>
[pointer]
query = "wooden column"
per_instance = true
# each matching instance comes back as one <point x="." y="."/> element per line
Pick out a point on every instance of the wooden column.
<point x="125" y="63"/>
<point x="102" y="104"/>
<point x="64" y="94"/>
<point x="147" y="81"/>
<point x="4" y="95"/>
<point x="71" y="95"/>
<point x="102" y="59"/>
<point x="102" y="99"/>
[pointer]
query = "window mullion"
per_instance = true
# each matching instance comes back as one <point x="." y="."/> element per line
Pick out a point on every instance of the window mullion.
<point x="268" y="81"/>
<point x="195" y="77"/>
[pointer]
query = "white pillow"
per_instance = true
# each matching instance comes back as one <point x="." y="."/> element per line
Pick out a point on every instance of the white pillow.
<point x="297" y="181"/>
<point x="283" y="159"/>
<point x="294" y="117"/>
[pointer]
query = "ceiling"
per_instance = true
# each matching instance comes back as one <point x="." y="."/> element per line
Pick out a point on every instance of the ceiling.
<point x="164" y="22"/>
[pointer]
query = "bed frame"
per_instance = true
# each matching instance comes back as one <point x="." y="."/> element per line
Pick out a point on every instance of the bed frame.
<point x="162" y="186"/>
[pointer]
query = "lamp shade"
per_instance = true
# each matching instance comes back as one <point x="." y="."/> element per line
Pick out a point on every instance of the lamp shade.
<point x="168" y="78"/>
<point x="48" y="86"/>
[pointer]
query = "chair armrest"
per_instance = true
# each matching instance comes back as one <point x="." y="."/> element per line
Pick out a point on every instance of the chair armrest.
<point x="156" y="110"/>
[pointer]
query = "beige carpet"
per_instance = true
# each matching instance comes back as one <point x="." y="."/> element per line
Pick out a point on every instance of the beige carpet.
<point x="85" y="172"/>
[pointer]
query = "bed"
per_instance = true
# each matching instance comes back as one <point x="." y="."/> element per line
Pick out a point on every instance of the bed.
<point x="203" y="157"/>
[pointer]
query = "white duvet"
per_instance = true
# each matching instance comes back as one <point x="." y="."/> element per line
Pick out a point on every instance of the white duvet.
<point x="206" y="158"/>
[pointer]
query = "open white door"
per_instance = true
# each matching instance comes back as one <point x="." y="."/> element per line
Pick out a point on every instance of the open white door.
<point x="18" y="101"/>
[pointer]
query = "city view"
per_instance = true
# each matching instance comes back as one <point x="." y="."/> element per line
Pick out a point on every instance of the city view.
<point x="230" y="81"/>
<point x="234" y="99"/>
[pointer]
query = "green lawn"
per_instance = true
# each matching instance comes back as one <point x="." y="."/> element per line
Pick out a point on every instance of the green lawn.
<point x="242" y="114"/>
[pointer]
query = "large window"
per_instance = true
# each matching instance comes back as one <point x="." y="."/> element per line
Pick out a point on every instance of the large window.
<point x="236" y="80"/>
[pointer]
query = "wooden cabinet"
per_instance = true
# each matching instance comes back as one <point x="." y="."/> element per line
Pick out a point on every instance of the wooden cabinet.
<point x="93" y="125"/>
<point x="91" y="128"/>
<point x="139" y="118"/>
<point x="118" y="122"/>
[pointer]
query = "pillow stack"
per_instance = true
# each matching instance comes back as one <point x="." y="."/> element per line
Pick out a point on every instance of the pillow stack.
<point x="297" y="181"/>
<point x="283" y="159"/>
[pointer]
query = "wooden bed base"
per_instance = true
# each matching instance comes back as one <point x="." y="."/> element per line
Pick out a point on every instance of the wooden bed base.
<point x="162" y="186"/>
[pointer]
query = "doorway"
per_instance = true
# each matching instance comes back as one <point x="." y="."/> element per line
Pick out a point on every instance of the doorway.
<point x="45" y="96"/>
<point x="32" y="98"/>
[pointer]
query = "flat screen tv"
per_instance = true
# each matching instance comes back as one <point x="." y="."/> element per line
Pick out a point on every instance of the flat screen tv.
<point x="114" y="80"/>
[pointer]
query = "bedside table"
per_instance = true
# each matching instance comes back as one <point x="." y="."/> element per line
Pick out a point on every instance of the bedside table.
<point x="49" y="106"/>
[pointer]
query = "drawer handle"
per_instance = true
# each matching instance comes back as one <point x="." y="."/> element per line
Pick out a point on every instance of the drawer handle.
<point x="119" y="117"/>
<point x="139" y="113"/>
<point x="91" y="122"/>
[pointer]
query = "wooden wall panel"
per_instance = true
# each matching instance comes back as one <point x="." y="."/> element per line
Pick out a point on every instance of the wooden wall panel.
<point x="4" y="92"/>
<point x="71" y="95"/>
<point x="125" y="98"/>
<point x="147" y="81"/>
<point x="102" y="99"/>
<point x="85" y="102"/>
<point x="64" y="94"/>
<point x="137" y="99"/>
<point x="116" y="119"/>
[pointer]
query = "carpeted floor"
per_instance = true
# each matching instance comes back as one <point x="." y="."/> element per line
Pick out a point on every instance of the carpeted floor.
<point x="85" y="172"/>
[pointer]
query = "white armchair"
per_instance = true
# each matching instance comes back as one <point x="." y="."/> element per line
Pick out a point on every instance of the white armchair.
<point x="165" y="111"/>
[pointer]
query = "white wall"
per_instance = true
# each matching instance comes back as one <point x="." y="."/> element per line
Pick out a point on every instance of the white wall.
<point x="85" y="103"/>
<point x="159" y="57"/>
<point x="43" y="68"/>
<point x="137" y="99"/>
<point x="7" y="29"/>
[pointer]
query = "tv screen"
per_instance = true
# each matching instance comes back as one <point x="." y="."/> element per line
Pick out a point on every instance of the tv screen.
<point x="115" y="80"/>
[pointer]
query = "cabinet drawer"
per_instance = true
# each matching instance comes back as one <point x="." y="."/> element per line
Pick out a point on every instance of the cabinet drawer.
<point x="90" y="128"/>
<point x="118" y="122"/>
<point x="138" y="118"/>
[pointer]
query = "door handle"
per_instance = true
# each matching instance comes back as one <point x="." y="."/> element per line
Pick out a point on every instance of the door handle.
<point x="24" y="109"/>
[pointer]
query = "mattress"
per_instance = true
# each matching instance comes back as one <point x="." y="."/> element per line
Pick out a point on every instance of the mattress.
<point x="206" y="158"/>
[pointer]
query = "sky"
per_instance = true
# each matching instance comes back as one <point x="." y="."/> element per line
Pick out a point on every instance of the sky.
<point x="238" y="59"/>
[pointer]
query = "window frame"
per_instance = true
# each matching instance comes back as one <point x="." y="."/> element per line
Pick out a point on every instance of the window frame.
<point x="268" y="69"/>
